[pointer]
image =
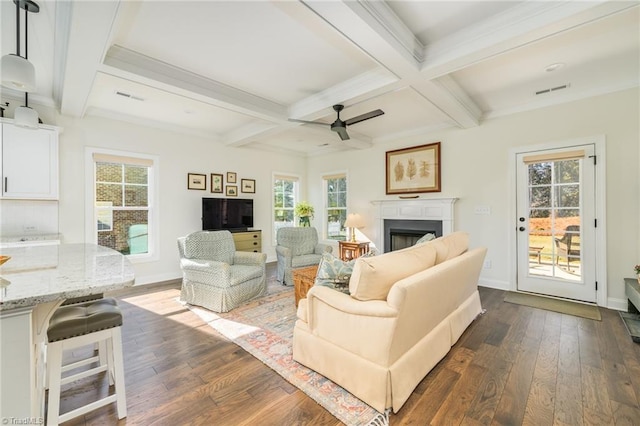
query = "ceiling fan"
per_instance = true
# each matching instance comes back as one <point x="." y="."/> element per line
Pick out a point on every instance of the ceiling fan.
<point x="340" y="126"/>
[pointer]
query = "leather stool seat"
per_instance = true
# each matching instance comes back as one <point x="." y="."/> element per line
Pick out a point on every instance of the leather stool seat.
<point x="76" y="320"/>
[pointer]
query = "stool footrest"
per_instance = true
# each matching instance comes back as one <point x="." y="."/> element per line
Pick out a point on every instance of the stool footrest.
<point x="87" y="408"/>
<point x="80" y="363"/>
<point x="83" y="374"/>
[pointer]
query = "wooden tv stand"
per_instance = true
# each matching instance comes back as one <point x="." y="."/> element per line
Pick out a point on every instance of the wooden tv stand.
<point x="248" y="241"/>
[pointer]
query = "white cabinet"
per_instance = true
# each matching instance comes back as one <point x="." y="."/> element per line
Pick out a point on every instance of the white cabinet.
<point x="29" y="162"/>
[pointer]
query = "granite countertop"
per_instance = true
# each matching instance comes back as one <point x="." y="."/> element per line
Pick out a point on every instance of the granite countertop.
<point x="39" y="274"/>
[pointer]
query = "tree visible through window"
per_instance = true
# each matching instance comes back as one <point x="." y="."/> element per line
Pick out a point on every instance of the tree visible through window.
<point x="336" y="206"/>
<point x="122" y="206"/>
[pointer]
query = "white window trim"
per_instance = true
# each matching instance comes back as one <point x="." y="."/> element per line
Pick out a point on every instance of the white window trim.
<point x="154" y="202"/>
<point x="275" y="175"/>
<point x="325" y="207"/>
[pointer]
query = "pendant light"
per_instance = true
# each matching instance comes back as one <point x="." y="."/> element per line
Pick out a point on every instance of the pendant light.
<point x="24" y="116"/>
<point x="17" y="72"/>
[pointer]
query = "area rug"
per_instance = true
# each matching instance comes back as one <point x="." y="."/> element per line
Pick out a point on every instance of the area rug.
<point x="264" y="328"/>
<point x="555" y="305"/>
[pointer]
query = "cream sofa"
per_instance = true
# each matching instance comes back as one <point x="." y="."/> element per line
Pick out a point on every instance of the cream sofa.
<point x="405" y="311"/>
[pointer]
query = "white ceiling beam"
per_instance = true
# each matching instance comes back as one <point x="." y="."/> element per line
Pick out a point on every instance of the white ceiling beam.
<point x="82" y="33"/>
<point x="368" y="85"/>
<point x="217" y="93"/>
<point x="247" y="134"/>
<point x="374" y="28"/>
<point x="516" y="27"/>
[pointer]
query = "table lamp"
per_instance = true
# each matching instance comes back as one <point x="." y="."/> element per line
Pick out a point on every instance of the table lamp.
<point x="354" y="220"/>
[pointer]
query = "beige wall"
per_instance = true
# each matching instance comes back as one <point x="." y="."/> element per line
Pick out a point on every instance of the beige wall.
<point x="475" y="170"/>
<point x="180" y="209"/>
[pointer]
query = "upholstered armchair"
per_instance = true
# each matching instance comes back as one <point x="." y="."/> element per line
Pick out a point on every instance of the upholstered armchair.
<point x="296" y="248"/>
<point x="215" y="275"/>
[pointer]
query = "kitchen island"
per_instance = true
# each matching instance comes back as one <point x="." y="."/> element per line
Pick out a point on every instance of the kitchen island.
<point x="35" y="281"/>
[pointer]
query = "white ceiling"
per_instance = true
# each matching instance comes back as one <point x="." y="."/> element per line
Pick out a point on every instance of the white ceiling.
<point x="235" y="71"/>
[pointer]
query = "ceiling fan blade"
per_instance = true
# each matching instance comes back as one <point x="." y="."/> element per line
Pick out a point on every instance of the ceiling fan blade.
<point x="307" y="122"/>
<point x="363" y="117"/>
<point x="343" y="133"/>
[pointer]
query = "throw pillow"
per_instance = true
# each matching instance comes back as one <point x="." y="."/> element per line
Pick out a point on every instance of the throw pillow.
<point x="372" y="278"/>
<point x="334" y="272"/>
<point x="425" y="238"/>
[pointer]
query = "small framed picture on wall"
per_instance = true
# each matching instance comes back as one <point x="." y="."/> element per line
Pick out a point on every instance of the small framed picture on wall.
<point x="196" y="181"/>
<point x="232" y="177"/>
<point x="248" y="186"/>
<point x="217" y="182"/>
<point x="232" y="190"/>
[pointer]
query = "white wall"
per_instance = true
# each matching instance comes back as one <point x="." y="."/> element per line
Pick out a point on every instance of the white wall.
<point x="180" y="208"/>
<point x="475" y="169"/>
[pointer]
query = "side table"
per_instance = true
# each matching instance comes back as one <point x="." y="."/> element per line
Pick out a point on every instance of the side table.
<point x="303" y="279"/>
<point x="351" y="250"/>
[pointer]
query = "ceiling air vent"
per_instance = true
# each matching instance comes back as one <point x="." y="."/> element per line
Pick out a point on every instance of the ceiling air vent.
<point x="553" y="89"/>
<point x="129" y="96"/>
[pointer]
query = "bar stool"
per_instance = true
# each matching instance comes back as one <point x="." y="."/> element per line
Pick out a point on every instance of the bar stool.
<point x="79" y="325"/>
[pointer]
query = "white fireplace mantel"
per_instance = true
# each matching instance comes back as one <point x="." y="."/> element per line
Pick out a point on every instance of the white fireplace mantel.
<point x="417" y="209"/>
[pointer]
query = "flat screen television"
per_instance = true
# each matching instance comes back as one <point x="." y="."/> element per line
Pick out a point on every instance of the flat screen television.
<point x="234" y="214"/>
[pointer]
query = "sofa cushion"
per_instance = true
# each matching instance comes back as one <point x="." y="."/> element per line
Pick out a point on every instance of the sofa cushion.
<point x="305" y="260"/>
<point x="450" y="246"/>
<point x="373" y="277"/>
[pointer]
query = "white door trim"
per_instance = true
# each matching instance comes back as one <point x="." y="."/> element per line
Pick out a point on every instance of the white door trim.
<point x="599" y="142"/>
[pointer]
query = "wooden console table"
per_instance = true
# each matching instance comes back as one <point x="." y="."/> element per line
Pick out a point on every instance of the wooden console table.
<point x="351" y="250"/>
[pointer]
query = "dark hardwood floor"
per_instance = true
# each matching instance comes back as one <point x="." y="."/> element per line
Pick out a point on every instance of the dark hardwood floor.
<point x="514" y="365"/>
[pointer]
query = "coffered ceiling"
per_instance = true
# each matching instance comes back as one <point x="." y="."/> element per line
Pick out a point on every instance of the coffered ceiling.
<point x="236" y="71"/>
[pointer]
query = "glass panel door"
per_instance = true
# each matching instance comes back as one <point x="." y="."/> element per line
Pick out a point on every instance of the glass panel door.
<point x="555" y="214"/>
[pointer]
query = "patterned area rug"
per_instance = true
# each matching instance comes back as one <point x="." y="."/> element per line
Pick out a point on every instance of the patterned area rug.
<point x="264" y="328"/>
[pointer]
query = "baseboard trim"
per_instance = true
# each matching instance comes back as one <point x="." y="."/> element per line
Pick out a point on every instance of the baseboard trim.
<point x="617" y="304"/>
<point x="498" y="285"/>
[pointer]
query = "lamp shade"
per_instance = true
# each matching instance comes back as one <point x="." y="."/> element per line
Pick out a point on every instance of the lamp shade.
<point x="18" y="73"/>
<point x="25" y="117"/>
<point x="354" y="220"/>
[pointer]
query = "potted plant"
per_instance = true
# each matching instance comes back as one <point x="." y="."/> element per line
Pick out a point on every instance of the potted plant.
<point x="304" y="211"/>
<point x="637" y="269"/>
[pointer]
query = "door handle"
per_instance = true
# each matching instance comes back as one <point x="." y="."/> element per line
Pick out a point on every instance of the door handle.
<point x="522" y="229"/>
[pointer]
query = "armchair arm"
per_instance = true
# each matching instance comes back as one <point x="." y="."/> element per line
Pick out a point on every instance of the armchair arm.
<point x="322" y="248"/>
<point x="249" y="258"/>
<point x="206" y="271"/>
<point x="364" y="328"/>
<point x="284" y="254"/>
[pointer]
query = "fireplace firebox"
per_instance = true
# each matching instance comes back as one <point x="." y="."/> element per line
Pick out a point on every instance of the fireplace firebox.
<point x="399" y="234"/>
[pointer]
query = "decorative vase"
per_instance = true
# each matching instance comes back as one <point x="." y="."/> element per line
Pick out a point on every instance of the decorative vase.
<point x="305" y="222"/>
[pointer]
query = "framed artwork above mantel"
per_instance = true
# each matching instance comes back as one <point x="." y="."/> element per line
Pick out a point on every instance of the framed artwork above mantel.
<point x="413" y="170"/>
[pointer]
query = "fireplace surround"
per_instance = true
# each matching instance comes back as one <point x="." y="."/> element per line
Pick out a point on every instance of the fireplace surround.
<point x="410" y="219"/>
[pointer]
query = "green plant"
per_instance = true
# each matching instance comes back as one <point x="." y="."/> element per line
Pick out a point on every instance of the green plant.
<point x="304" y="209"/>
<point x="637" y="269"/>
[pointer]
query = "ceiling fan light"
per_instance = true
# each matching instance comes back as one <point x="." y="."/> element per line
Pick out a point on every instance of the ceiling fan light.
<point x="18" y="73"/>
<point x="25" y="117"/>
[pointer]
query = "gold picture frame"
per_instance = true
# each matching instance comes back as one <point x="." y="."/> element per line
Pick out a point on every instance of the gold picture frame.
<point x="248" y="186"/>
<point x="196" y="181"/>
<point x="413" y="170"/>
<point x="232" y="190"/>
<point x="232" y="177"/>
<point x="217" y="183"/>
